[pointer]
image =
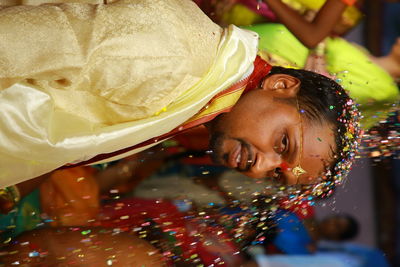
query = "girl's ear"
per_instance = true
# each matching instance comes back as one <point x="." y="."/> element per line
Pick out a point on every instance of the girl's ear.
<point x="282" y="85"/>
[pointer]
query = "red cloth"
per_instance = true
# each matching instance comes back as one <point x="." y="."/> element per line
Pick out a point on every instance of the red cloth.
<point x="132" y="213"/>
<point x="349" y="2"/>
<point x="303" y="209"/>
<point x="261" y="70"/>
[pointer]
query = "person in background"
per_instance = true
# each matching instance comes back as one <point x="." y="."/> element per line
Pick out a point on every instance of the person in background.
<point x="323" y="243"/>
<point x="296" y="236"/>
<point x="307" y="38"/>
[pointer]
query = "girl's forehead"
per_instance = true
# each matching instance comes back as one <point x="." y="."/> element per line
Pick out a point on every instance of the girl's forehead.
<point x="318" y="145"/>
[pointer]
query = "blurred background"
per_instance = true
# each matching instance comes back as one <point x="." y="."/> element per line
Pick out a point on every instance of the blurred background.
<point x="372" y="193"/>
<point x="180" y="173"/>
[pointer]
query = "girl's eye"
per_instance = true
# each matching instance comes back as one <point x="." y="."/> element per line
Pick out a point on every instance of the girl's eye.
<point x="284" y="144"/>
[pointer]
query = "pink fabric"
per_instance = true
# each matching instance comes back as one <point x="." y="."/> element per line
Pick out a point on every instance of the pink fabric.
<point x="263" y="9"/>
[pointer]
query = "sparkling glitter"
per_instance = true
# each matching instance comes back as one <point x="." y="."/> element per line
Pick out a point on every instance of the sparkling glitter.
<point x="33" y="254"/>
<point x="86" y="232"/>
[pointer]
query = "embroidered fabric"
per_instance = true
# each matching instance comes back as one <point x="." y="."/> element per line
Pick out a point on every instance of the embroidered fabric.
<point x="83" y="80"/>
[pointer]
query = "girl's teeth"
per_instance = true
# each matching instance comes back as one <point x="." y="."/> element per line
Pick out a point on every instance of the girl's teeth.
<point x="239" y="157"/>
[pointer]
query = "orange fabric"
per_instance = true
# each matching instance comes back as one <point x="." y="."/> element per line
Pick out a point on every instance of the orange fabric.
<point x="70" y="196"/>
<point x="349" y="2"/>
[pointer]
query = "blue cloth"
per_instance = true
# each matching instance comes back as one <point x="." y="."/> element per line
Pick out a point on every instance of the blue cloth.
<point x="292" y="236"/>
<point x="314" y="260"/>
<point x="391" y="28"/>
<point x="24" y="217"/>
<point x="368" y="256"/>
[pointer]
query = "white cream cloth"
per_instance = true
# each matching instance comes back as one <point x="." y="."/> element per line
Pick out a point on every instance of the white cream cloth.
<point x="78" y="80"/>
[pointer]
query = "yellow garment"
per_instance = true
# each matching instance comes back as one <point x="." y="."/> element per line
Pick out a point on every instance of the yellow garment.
<point x="89" y="57"/>
<point x="350" y="17"/>
<point x="40" y="2"/>
<point x="81" y="80"/>
<point x="242" y="15"/>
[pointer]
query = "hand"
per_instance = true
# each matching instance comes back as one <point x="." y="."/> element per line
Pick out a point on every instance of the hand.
<point x="316" y="63"/>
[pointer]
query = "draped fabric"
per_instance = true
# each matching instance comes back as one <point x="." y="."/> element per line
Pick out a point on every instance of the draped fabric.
<point x="78" y="80"/>
<point x="40" y="2"/>
<point x="88" y="58"/>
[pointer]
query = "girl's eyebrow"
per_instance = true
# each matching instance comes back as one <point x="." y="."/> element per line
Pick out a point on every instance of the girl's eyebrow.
<point x="332" y="153"/>
<point x="293" y="155"/>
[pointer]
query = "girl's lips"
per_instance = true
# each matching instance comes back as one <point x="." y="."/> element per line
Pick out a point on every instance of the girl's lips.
<point x="246" y="159"/>
<point x="235" y="157"/>
<point x="243" y="158"/>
